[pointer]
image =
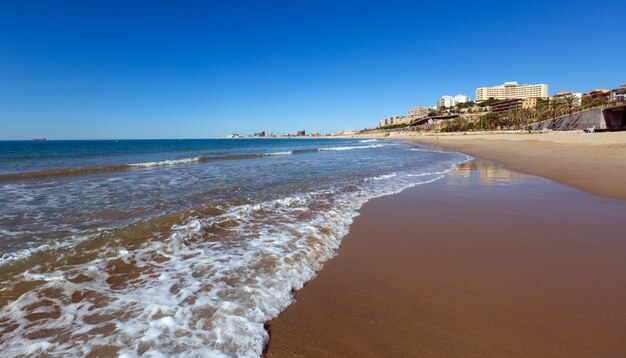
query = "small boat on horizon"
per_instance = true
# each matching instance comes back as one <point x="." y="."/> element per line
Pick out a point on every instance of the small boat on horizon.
<point x="39" y="139"/>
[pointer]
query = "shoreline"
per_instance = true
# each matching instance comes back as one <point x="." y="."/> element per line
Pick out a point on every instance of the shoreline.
<point x="528" y="266"/>
<point x="593" y="163"/>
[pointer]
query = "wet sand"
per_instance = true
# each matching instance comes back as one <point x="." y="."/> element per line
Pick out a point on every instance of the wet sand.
<point x="483" y="263"/>
<point x="595" y="163"/>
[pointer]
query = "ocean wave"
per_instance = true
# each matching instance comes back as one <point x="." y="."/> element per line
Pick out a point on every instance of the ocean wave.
<point x="426" y="174"/>
<point x="98" y="169"/>
<point x="169" y="162"/>
<point x="63" y="172"/>
<point x="112" y="168"/>
<point x="23" y="254"/>
<point x="427" y="150"/>
<point x="205" y="289"/>
<point x="368" y="140"/>
<point x="289" y="152"/>
<point x="382" y="177"/>
<point x="353" y="147"/>
<point x="10" y="233"/>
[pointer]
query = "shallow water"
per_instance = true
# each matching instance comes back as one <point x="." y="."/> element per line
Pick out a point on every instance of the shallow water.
<point x="177" y="247"/>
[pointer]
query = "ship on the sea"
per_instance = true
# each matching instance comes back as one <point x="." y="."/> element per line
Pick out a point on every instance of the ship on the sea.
<point x="39" y="139"/>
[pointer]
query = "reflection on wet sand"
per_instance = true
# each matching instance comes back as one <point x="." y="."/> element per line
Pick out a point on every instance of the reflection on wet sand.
<point x="489" y="173"/>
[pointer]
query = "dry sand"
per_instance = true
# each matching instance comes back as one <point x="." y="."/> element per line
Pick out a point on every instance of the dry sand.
<point x="591" y="162"/>
<point x="483" y="263"/>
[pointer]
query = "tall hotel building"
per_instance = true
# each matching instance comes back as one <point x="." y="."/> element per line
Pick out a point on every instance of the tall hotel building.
<point x="511" y="90"/>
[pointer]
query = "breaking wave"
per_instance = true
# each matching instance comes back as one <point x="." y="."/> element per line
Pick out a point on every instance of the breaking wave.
<point x="354" y="147"/>
<point x="428" y="150"/>
<point x="63" y="172"/>
<point x="205" y="289"/>
<point x="169" y="162"/>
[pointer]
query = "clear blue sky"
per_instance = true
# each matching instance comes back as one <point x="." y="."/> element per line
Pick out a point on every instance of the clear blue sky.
<point x="174" y="69"/>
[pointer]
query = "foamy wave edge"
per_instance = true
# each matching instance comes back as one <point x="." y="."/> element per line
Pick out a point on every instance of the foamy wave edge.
<point x="428" y="150"/>
<point x="277" y="153"/>
<point x="237" y="322"/>
<point x="353" y="147"/>
<point x="167" y="162"/>
<point x="111" y="168"/>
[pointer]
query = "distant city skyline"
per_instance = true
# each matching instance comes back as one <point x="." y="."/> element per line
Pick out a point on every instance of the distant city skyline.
<point x="118" y="70"/>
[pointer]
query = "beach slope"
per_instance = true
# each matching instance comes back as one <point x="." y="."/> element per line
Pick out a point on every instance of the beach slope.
<point x="595" y="163"/>
<point x="485" y="262"/>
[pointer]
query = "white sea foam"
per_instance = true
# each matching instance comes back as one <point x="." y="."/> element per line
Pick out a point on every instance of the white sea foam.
<point x="26" y="253"/>
<point x="221" y="278"/>
<point x="213" y="294"/>
<point x="279" y="153"/>
<point x="354" y="147"/>
<point x="427" y="150"/>
<point x="368" y="140"/>
<point x="10" y="233"/>
<point x="383" y="177"/>
<point x="425" y="174"/>
<point x="167" y="162"/>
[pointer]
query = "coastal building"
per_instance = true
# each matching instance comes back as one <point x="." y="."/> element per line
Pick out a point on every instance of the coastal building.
<point x="511" y="90"/>
<point x="451" y="101"/>
<point x="445" y="102"/>
<point x="618" y="94"/>
<point x="596" y="96"/>
<point x="515" y="103"/>
<point x="461" y="98"/>
<point x="529" y="103"/>
<point x="346" y="132"/>
<point x="562" y="95"/>
<point x="417" y="112"/>
<point x="394" y="120"/>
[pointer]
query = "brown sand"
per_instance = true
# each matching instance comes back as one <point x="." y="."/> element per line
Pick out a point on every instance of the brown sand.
<point x="483" y="263"/>
<point x="591" y="162"/>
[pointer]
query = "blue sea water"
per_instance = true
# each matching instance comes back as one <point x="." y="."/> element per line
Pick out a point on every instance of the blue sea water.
<point x="170" y="246"/>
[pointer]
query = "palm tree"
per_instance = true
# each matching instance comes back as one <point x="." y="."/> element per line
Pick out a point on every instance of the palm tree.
<point x="496" y="120"/>
<point x="542" y="110"/>
<point x="555" y="106"/>
<point x="517" y="118"/>
<point x="570" y="102"/>
<point x="527" y="114"/>
<point x="600" y="101"/>
<point x="513" y="118"/>
<point x="458" y="124"/>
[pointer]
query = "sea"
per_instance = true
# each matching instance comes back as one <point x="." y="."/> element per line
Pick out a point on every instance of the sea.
<point x="183" y="248"/>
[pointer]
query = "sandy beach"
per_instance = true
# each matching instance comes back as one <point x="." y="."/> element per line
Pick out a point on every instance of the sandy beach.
<point x="595" y="163"/>
<point x="486" y="262"/>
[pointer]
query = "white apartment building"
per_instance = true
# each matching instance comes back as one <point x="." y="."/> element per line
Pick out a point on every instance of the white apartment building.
<point x="450" y="101"/>
<point x="512" y="90"/>
<point x="445" y="101"/>
<point x="461" y="98"/>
